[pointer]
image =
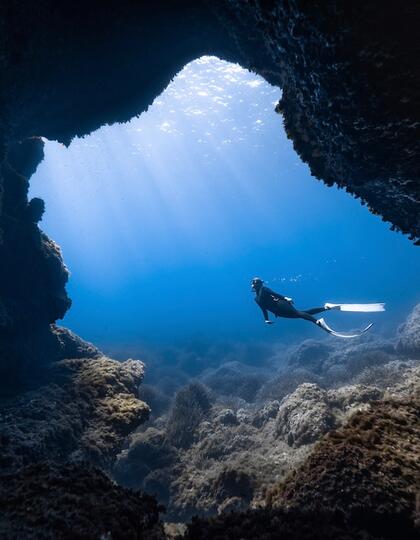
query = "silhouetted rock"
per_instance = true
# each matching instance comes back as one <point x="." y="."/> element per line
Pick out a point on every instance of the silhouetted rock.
<point x="68" y="501"/>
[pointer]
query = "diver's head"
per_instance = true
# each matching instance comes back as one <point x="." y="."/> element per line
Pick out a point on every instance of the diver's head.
<point x="256" y="284"/>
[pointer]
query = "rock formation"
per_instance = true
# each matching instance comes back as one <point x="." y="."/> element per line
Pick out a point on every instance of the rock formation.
<point x="360" y="481"/>
<point x="52" y="437"/>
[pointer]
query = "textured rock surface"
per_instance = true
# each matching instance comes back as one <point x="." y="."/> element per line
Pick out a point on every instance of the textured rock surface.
<point x="304" y="416"/>
<point x="308" y="413"/>
<point x="262" y="441"/>
<point x="350" y="97"/>
<point x="49" y="435"/>
<point x="372" y="463"/>
<point x="85" y="414"/>
<point x="359" y="482"/>
<point x="47" y="501"/>
<point x="409" y="334"/>
<point x="263" y="438"/>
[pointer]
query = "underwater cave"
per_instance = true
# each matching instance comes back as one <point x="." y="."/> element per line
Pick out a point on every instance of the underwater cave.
<point x="147" y="141"/>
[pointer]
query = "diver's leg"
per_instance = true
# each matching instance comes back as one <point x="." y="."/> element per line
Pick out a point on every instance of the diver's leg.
<point x="305" y="315"/>
<point x="316" y="310"/>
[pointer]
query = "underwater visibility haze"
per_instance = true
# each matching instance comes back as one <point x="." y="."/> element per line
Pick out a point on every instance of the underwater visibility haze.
<point x="164" y="221"/>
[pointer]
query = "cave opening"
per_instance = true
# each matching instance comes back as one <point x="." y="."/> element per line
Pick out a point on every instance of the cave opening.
<point x="164" y="220"/>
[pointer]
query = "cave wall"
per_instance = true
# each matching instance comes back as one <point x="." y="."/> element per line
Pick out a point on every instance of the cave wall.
<point x="348" y="70"/>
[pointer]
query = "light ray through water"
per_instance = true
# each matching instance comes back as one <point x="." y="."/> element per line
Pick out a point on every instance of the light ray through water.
<point x="164" y="220"/>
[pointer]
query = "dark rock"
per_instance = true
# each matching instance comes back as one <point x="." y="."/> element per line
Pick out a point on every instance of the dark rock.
<point x="50" y="501"/>
<point x="146" y="452"/>
<point x="191" y="405"/>
<point x="72" y="346"/>
<point x="227" y="417"/>
<point x="348" y="74"/>
<point x="264" y="414"/>
<point x="350" y="104"/>
<point x="233" y="483"/>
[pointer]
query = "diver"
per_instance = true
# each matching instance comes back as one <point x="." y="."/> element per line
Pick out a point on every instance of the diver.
<point x="282" y="306"/>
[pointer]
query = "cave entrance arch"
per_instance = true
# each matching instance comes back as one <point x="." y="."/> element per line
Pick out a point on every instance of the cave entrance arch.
<point x="200" y="177"/>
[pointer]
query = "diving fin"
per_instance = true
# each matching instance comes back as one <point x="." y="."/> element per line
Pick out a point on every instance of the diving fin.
<point x="361" y="308"/>
<point x="322" y="324"/>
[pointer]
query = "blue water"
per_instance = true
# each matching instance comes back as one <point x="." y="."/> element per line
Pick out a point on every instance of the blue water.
<point x="164" y="220"/>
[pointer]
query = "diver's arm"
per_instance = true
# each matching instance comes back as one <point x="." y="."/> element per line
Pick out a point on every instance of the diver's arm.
<point x="266" y="318"/>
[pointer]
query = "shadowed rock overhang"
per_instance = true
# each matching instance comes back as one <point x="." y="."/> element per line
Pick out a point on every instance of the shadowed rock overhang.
<point x="349" y="73"/>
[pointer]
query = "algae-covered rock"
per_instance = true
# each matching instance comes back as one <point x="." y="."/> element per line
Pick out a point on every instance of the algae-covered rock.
<point x="304" y="415"/>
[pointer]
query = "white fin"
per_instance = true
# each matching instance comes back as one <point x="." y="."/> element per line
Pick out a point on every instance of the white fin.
<point x="322" y="324"/>
<point x="361" y="308"/>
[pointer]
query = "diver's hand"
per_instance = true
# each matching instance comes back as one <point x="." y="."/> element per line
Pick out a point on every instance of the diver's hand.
<point x="269" y="322"/>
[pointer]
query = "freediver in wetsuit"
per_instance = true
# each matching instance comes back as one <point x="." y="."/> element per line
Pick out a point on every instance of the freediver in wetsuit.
<point x="282" y="306"/>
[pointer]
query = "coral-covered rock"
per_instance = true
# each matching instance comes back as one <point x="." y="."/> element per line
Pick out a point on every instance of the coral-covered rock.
<point x="370" y="464"/>
<point x="85" y="414"/>
<point x="352" y="395"/>
<point x="304" y="415"/>
<point x="263" y="415"/>
<point x="359" y="482"/>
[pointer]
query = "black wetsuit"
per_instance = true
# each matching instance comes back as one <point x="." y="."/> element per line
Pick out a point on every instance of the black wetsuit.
<point x="269" y="300"/>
